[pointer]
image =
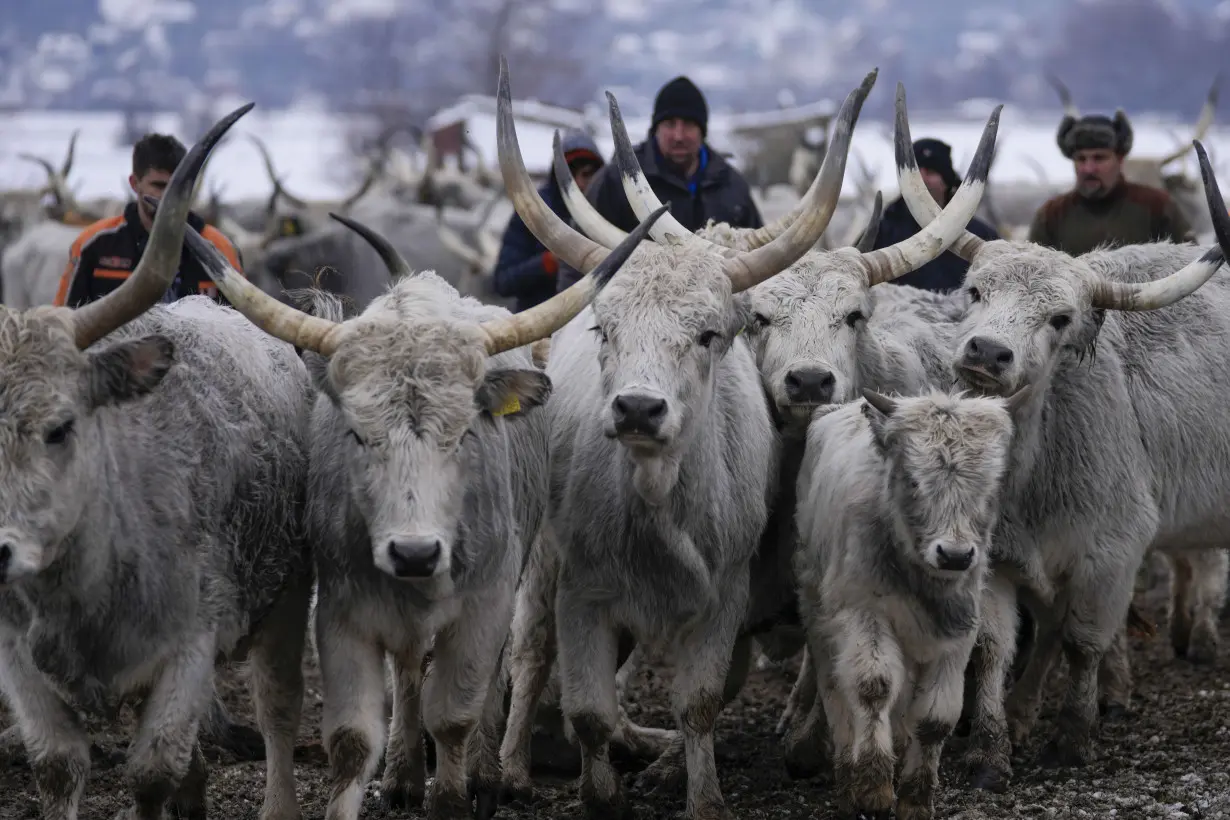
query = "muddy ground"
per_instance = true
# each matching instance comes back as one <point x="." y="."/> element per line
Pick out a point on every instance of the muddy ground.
<point x="1169" y="759"/>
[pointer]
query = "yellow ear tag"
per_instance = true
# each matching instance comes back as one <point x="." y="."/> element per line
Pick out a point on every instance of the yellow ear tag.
<point x="513" y="405"/>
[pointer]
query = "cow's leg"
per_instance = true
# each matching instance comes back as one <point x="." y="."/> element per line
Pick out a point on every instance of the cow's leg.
<point x="870" y="672"/>
<point x="466" y="661"/>
<point x="988" y="755"/>
<point x="932" y="713"/>
<point x="669" y="772"/>
<point x="277" y="692"/>
<point x="1115" y="676"/>
<point x="802" y="694"/>
<point x="1203" y="594"/>
<point x="1024" y="702"/>
<point x="404" y="785"/>
<point x="55" y="743"/>
<point x="630" y="740"/>
<point x="484" y="751"/>
<point x="840" y="719"/>
<point x="352" y="720"/>
<point x="166" y="735"/>
<point x="532" y="651"/>
<point x="1097" y="611"/>
<point x="228" y="734"/>
<point x="807" y="744"/>
<point x="712" y="664"/>
<point x="588" y="648"/>
<point x="1180" y="602"/>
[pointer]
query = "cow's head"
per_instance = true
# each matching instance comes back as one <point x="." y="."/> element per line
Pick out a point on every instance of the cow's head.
<point x="946" y="459"/>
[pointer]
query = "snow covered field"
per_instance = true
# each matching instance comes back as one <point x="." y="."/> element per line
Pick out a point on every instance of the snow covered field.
<point x="310" y="148"/>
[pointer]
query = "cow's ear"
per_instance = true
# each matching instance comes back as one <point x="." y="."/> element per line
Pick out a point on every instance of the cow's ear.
<point x="128" y="369"/>
<point x="511" y="391"/>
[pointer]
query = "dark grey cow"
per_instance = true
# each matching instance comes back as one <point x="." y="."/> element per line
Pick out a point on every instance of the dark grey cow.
<point x="155" y="465"/>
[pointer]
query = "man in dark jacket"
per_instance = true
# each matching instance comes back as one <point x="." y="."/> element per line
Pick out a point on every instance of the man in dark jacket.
<point x="108" y="251"/>
<point x="947" y="271"/>
<point x="682" y="169"/>
<point x="525" y="270"/>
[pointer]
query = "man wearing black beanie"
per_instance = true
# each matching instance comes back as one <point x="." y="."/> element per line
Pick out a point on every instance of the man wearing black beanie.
<point x="947" y="271"/>
<point x="682" y="169"/>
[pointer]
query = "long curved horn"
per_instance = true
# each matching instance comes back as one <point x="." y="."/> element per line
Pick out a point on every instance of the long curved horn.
<point x="867" y="239"/>
<point x="373" y="174"/>
<point x="1203" y="124"/>
<point x="1065" y="97"/>
<point x="749" y="269"/>
<point x="764" y="235"/>
<point x="158" y="264"/>
<point x="394" y="261"/>
<point x="910" y="254"/>
<point x="1162" y="292"/>
<point x="278" y="189"/>
<point x="914" y="191"/>
<point x="67" y="167"/>
<point x="585" y="214"/>
<point x="577" y="250"/>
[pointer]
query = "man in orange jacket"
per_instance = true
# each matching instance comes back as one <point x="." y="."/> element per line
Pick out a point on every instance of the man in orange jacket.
<point x="107" y="252"/>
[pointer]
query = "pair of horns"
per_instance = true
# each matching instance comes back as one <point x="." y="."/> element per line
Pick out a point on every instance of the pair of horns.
<point x="818" y="203"/>
<point x="57" y="181"/>
<point x="1106" y="294"/>
<point x="373" y="173"/>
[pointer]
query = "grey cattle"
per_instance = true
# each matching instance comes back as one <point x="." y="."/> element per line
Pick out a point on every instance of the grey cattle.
<point x="788" y="351"/>
<point x="33" y="264"/>
<point x="659" y="418"/>
<point x="425" y="420"/>
<point x="1115" y="452"/>
<point x="659" y="394"/>
<point x="897" y="502"/>
<point x="151" y="513"/>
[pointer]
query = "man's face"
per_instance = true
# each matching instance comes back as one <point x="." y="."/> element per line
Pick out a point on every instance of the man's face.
<point x="1097" y="171"/>
<point x="679" y="141"/>
<point x="152" y="183"/>
<point x="583" y="173"/>
<point x="936" y="185"/>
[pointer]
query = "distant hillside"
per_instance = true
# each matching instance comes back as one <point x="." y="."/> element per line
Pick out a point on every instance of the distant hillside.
<point x="420" y="54"/>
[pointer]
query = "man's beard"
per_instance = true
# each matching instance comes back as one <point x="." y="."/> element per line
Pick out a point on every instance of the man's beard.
<point x="1092" y="188"/>
<point x="680" y="168"/>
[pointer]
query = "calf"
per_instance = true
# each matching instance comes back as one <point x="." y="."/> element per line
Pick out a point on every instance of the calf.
<point x="898" y="502"/>
<point x="150" y="521"/>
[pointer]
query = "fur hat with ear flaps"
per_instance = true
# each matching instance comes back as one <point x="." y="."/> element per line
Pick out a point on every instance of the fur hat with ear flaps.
<point x="1095" y="131"/>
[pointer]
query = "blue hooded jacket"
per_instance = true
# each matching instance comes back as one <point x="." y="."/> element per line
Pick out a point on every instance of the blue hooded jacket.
<point x="519" y="271"/>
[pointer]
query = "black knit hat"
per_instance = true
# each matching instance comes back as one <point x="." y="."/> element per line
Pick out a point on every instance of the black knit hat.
<point x="1093" y="132"/>
<point x="936" y="155"/>
<point x="681" y="98"/>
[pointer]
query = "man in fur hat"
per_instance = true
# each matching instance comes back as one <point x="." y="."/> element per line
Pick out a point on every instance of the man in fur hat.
<point x="1104" y="209"/>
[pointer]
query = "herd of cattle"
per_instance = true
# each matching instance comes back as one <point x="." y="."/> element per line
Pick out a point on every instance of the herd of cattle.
<point x="713" y="439"/>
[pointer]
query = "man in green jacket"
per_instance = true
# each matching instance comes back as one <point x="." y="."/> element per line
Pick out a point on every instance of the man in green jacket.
<point x="1104" y="209"/>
